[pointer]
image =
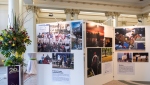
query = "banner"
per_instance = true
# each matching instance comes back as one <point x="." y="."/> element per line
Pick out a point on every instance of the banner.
<point x="13" y="75"/>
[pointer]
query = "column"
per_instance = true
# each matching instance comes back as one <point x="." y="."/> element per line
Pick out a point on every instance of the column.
<point x="76" y="13"/>
<point x="13" y="9"/>
<point x="124" y="23"/>
<point x="109" y="18"/>
<point x="30" y="25"/>
<point x="143" y="18"/>
<point x="68" y="14"/>
<point x="115" y="16"/>
<point x="21" y="9"/>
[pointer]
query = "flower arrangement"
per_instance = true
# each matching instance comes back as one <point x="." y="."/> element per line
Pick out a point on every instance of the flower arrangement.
<point x="13" y="41"/>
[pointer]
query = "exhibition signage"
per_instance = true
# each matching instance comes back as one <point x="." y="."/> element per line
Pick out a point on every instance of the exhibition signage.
<point x="13" y="75"/>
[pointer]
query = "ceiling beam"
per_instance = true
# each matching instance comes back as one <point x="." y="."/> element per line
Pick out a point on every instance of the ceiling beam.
<point x="90" y="7"/>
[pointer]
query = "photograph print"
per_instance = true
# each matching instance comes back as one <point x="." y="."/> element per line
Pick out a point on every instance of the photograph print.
<point x="63" y="60"/>
<point x="130" y="39"/>
<point x="124" y="57"/>
<point x="108" y="42"/>
<point x="140" y="57"/>
<point x="106" y="54"/>
<point x="93" y="61"/>
<point x="44" y="58"/>
<point x="94" y="35"/>
<point x="59" y="38"/>
<point x="42" y="31"/>
<point x="76" y="35"/>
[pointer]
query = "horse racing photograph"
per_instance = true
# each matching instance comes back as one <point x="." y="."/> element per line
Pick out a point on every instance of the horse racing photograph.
<point x="63" y="60"/>
<point x="130" y="39"/>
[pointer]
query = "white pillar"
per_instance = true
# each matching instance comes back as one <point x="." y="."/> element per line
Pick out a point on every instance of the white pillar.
<point x="13" y="9"/>
<point x="30" y="25"/>
<point x="115" y="16"/>
<point x="21" y="9"/>
<point x="68" y="14"/>
<point x="76" y="13"/>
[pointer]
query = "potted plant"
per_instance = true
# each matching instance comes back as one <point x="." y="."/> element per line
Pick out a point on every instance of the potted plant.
<point x="13" y="42"/>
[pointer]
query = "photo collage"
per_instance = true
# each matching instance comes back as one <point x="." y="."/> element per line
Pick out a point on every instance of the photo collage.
<point x="131" y="39"/>
<point x="99" y="48"/>
<point x="59" y="39"/>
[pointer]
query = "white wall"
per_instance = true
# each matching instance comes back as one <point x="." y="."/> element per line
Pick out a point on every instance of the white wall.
<point x="141" y="68"/>
<point x="3" y="23"/>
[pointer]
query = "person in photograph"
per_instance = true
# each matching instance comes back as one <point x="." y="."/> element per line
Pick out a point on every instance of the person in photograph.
<point x="39" y="46"/>
<point x="68" y="27"/>
<point x="124" y="57"/>
<point x="94" y="64"/>
<point x="39" y="36"/>
<point x="137" y="56"/>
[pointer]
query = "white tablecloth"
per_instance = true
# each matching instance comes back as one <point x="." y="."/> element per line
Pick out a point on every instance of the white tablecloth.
<point x="31" y="68"/>
<point x="32" y="64"/>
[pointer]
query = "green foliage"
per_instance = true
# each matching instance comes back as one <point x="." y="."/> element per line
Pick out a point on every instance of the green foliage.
<point x="13" y="41"/>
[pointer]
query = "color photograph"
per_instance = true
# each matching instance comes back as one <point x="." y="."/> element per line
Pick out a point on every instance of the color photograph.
<point x="93" y="61"/>
<point x="63" y="60"/>
<point x="108" y="42"/>
<point x="94" y="35"/>
<point x="124" y="57"/>
<point x="44" y="58"/>
<point x="42" y="32"/>
<point x="58" y="38"/>
<point x="130" y="39"/>
<point x="140" y="57"/>
<point x="106" y="54"/>
<point x="76" y="35"/>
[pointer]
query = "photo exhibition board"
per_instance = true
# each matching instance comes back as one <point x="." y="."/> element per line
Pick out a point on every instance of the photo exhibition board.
<point x="60" y="55"/>
<point x="131" y="53"/>
<point x="98" y="53"/>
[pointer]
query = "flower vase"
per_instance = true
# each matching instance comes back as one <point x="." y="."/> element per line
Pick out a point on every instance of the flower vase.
<point x="15" y="75"/>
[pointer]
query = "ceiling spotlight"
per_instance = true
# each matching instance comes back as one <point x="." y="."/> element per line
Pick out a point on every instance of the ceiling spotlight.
<point x="140" y="21"/>
<point x="50" y="14"/>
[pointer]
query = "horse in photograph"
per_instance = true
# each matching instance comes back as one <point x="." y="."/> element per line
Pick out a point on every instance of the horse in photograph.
<point x="122" y="39"/>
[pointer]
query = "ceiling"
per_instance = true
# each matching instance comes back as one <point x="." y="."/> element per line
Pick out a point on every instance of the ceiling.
<point x="121" y="6"/>
<point x="138" y="3"/>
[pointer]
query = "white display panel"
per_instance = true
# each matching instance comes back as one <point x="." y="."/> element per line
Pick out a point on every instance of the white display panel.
<point x="75" y="73"/>
<point x="100" y="78"/>
<point x="141" y="67"/>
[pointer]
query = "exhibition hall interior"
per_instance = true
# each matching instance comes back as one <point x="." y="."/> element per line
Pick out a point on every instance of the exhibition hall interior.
<point x="74" y="42"/>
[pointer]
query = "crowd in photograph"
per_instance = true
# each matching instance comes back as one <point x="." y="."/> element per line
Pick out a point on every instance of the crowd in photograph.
<point x="54" y="42"/>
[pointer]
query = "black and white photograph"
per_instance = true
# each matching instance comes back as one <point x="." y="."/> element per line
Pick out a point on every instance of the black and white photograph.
<point x="94" y="35"/>
<point x="76" y="35"/>
<point x="130" y="39"/>
<point x="93" y="61"/>
<point x="63" y="60"/>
